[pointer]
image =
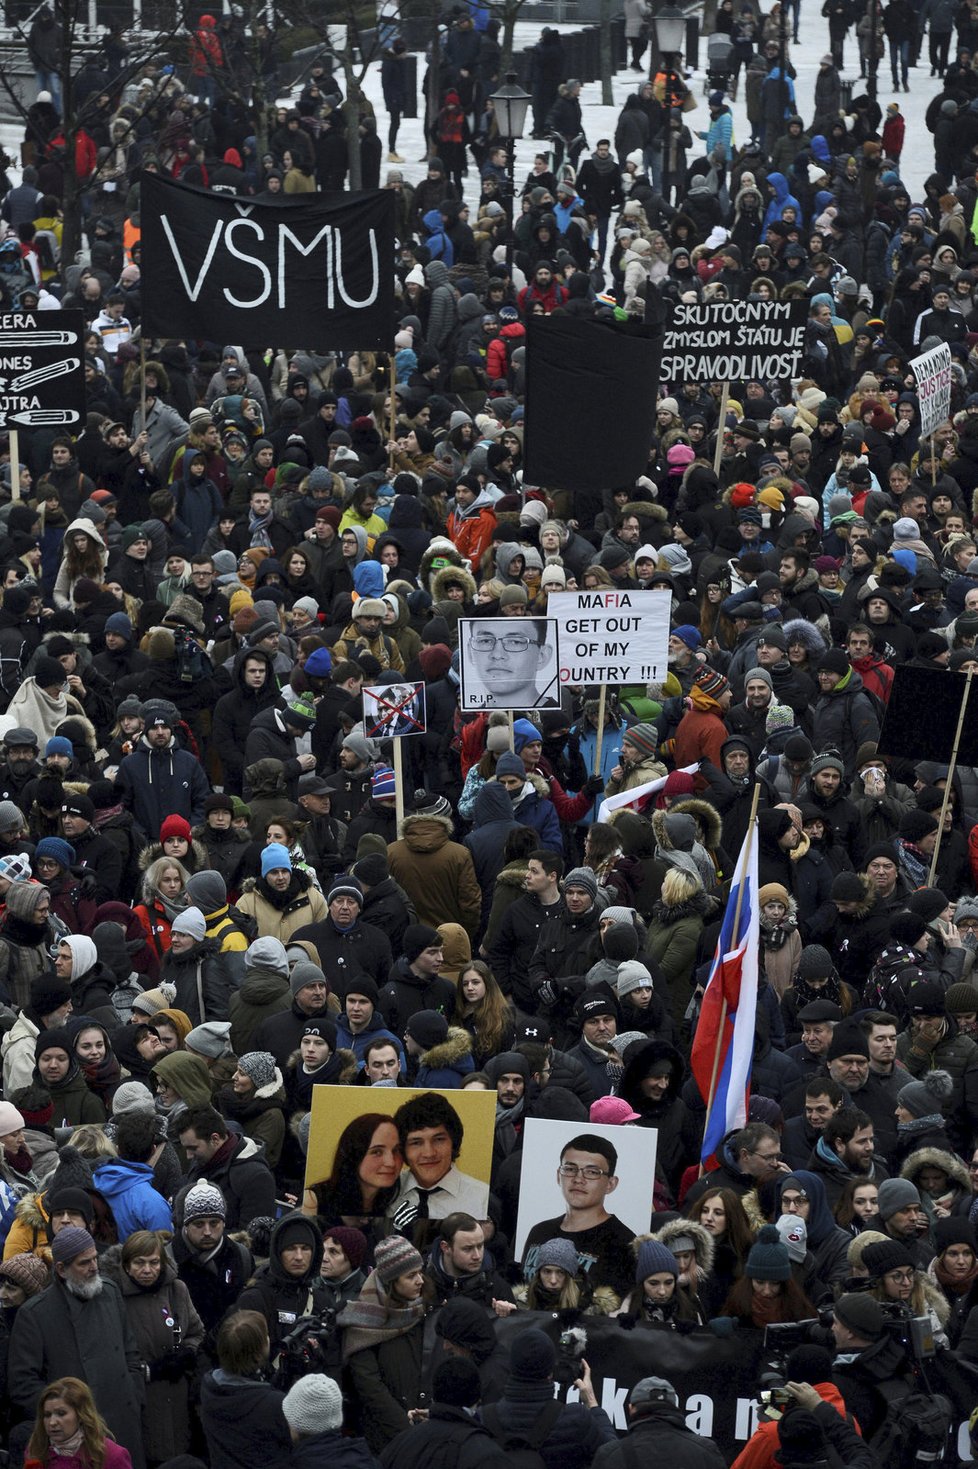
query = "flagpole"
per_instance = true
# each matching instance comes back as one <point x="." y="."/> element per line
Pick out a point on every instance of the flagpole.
<point x="736" y="932"/>
<point x="950" y="776"/>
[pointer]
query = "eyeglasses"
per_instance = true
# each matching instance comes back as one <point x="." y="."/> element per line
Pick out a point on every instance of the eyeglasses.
<point x="900" y="1277"/>
<point x="484" y="642"/>
<point x="592" y="1174"/>
<point x="767" y="1157"/>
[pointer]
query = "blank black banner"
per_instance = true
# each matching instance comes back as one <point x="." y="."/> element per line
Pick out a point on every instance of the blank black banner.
<point x="922" y="716"/>
<point x="590" y="401"/>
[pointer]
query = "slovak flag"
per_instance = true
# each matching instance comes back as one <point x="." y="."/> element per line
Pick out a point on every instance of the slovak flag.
<point x="723" y="1048"/>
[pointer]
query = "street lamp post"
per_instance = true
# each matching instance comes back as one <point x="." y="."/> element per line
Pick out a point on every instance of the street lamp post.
<point x="510" y="104"/>
<point x="670" y="33"/>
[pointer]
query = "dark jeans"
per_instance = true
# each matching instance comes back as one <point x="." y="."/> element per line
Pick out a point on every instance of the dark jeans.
<point x="899" y="53"/>
<point x="939" y="46"/>
<point x="393" y="125"/>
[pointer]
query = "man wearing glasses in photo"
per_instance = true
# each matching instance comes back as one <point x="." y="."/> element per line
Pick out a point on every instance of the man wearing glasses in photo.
<point x="510" y="664"/>
<point x="587" y="1176"/>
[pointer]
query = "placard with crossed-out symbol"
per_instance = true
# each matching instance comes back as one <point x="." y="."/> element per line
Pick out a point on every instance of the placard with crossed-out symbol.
<point x="393" y="710"/>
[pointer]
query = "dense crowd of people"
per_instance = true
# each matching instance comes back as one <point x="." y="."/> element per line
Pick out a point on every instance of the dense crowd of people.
<point x="214" y="898"/>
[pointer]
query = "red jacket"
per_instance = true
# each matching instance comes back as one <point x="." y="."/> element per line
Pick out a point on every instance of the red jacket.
<point x="205" y="48"/>
<point x="497" y="361"/>
<point x="552" y="298"/>
<point x="472" y="532"/>
<point x="893" y="131"/>
<point x="877" y="675"/>
<point x="760" y="1449"/>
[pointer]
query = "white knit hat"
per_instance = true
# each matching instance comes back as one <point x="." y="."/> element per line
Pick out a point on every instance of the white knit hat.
<point x="313" y="1405"/>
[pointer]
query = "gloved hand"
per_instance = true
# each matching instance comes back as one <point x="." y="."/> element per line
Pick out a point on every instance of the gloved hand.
<point x="404" y="1216"/>
<point x="547" y="993"/>
<point x="176" y="1364"/>
<point x="594" y="785"/>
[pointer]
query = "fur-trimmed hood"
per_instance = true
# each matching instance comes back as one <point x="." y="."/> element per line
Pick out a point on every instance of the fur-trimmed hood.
<point x="704" y="1247"/>
<point x="349" y="1066"/>
<point x="707" y="818"/>
<point x="152" y="853"/>
<point x="78" y="639"/>
<point x="800" y="630"/>
<point x="637" y="1070"/>
<point x="452" y="1052"/>
<point x="438" y="546"/>
<point x="868" y="903"/>
<point x="697" y="862"/>
<point x="440" y="580"/>
<point x="936" y="1158"/>
<point x="424" y="833"/>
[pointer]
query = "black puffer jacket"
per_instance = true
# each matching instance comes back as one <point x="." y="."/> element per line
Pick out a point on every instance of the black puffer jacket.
<point x="202" y="972"/>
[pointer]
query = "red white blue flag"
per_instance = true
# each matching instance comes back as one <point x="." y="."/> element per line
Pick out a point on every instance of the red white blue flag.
<point x="724" y="1037"/>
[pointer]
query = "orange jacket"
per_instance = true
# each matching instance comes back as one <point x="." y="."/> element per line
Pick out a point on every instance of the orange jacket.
<point x="759" y="1451"/>
<point x="472" y="532"/>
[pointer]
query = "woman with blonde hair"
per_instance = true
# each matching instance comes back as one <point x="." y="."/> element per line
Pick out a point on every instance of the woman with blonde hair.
<point x="70" y="1433"/>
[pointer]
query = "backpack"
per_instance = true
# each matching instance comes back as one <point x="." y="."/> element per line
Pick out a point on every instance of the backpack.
<point x="523" y="1449"/>
<point x="916" y="1431"/>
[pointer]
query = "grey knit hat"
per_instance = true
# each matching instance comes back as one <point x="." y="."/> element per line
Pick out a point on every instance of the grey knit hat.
<point x="203" y="1201"/>
<point x="632" y="976"/>
<point x="558" y="1252"/>
<point x="212" y="1039"/>
<point x="313" y="1405"/>
<point x="11" y="816"/>
<point x="267" y="953"/>
<point x="305" y="973"/>
<point x="582" y="877"/>
<point x="132" y="1097"/>
<point x="895" y="1194"/>
<point x="260" y="1067"/>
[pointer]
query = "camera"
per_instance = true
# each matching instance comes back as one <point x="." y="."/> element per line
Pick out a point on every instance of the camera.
<point x="305" y="1349"/>
<point x="571" y="1346"/>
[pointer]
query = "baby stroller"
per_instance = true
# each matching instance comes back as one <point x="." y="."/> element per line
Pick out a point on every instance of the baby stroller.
<point x="719" y="63"/>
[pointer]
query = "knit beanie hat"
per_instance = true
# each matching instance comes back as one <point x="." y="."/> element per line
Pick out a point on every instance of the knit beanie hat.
<point x="961" y="999"/>
<point x="768" y="1257"/>
<point x="847" y="1040"/>
<point x="965" y="908"/>
<point x="930" y="903"/>
<point x="464" y="1323"/>
<point x="305" y="973"/>
<point x="456" y="1383"/>
<point x="428" y="1028"/>
<point x="132" y="1097"/>
<point x="895" y="1194"/>
<point x="643" y="737"/>
<point x="175" y="826"/>
<point x="815" y="962"/>
<point x="190" y="921"/>
<point x="914" y="825"/>
<point x="151" y="1002"/>
<point x="48" y="993"/>
<point x="16" y="866"/>
<point x="532" y="1356"/>
<point x="925" y="1097"/>
<point x="417" y="938"/>
<point x="561" y="1254"/>
<point x="620" y="941"/>
<point x="57" y="849"/>
<point x="69" y="1243"/>
<point x="24" y="897"/>
<point x="52" y="1040"/>
<point x="879" y="1259"/>
<point x="689" y="635"/>
<point x="395" y="1256"/>
<point x="274" y="858"/>
<point x="27" y="1272"/>
<point x="509" y="763"/>
<point x="259" y="1067"/>
<point x="212" y="1039"/>
<point x="773" y="892"/>
<point x="861" y="1314"/>
<point x="954" y="1231"/>
<point x="654" y="1258"/>
<point x="203" y="1200"/>
<point x="353" y="1243"/>
<point x="710" y="682"/>
<point x="313" y="1405"/>
<point x="632" y="976"/>
<point x="582" y="877"/>
<point x="10" y="1119"/>
<point x="207" y="890"/>
<point x="345" y="887"/>
<point x="779" y="717"/>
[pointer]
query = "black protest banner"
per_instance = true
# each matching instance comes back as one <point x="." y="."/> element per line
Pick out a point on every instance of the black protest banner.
<point x="311" y="271"/>
<point x="922" y="717"/>
<point x="729" y="341"/>
<point x="716" y="1378"/>
<point x="590" y="401"/>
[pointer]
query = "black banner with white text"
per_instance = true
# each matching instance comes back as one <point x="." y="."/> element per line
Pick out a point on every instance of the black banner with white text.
<point x="307" y="271"/>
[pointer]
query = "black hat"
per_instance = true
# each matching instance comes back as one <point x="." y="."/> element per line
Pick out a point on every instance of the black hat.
<point x="819" y="1011"/>
<point x="592" y="1004"/>
<point x="847" y="1040"/>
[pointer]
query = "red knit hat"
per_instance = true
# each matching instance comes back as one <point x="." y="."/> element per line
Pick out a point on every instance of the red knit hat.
<point x="175" y="826"/>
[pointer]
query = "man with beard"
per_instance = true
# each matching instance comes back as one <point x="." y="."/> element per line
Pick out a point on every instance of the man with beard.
<point x="846" y="1150"/>
<point x="78" y="1327"/>
<point x="19" y="765"/>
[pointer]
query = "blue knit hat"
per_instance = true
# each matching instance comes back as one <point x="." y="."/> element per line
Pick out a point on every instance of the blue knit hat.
<point x="690" y="635"/>
<point x="58" y="745"/>
<point x="525" y="733"/>
<point x="654" y="1258"/>
<point x="383" y="784"/>
<point x="319" y="664"/>
<point x="120" y="624"/>
<point x="273" y="857"/>
<point x="56" y="847"/>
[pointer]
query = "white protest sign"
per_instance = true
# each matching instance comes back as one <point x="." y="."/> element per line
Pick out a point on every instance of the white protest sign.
<point x="933" y="373"/>
<point x="611" y="637"/>
<point x="611" y="804"/>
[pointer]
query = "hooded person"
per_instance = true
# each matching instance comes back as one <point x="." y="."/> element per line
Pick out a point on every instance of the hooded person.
<point x="288" y="1287"/>
<point x="651" y="1084"/>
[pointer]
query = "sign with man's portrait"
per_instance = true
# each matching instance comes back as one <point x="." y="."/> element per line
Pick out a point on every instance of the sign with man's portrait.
<point x="507" y="663"/>
<point x="394" y="709"/>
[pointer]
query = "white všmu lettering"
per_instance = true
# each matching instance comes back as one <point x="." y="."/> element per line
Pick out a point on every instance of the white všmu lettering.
<point x="368" y="300"/>
<point x="193" y="291"/>
<point x="260" y="266"/>
<point x="285" y="233"/>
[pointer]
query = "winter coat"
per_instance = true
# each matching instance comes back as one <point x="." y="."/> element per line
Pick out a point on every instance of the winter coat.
<point x="494" y="820"/>
<point x="74" y="1102"/>
<point x="844" y="720"/>
<point x="676" y="1129"/>
<point x="957" y="1054"/>
<point x="575" y="1438"/>
<point x="304" y="904"/>
<point x="437" y="873"/>
<point x="134" y="1201"/>
<point x="55" y="1335"/>
<point x="263" y="992"/>
<point x="202" y="976"/>
<point x="239" y="1413"/>
<point x="281" y="1298"/>
<point x="161" y="783"/>
<point x="170" y="1353"/>
<point x="449" y="1436"/>
<point x="385" y="1375"/>
<point x="260" y="1117"/>
<point x="362" y="949"/>
<point x="405" y="993"/>
<point x="446" y="1065"/>
<point x="244" y="1179"/>
<point x="513" y="941"/>
<point x="672" y="944"/>
<point x="660" y="1436"/>
<point x="233" y="714"/>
